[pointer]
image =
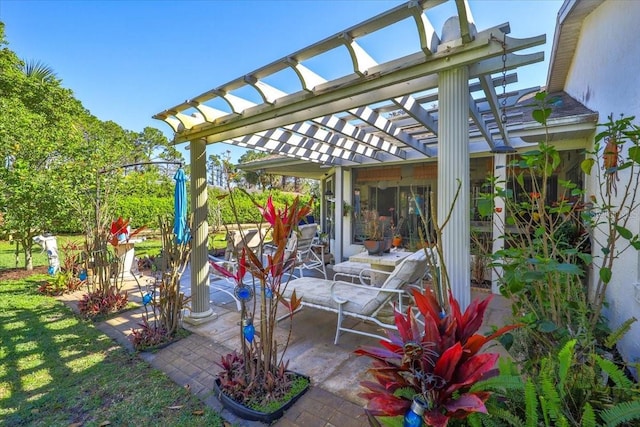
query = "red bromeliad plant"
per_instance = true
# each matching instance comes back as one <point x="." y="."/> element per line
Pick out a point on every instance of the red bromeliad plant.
<point x="258" y="376"/>
<point x="436" y="363"/>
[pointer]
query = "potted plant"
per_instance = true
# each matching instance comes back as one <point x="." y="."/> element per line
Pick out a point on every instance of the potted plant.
<point x="106" y="269"/>
<point x="396" y="233"/>
<point x="346" y="209"/>
<point x="374" y="232"/>
<point x="163" y="301"/>
<point x="424" y="374"/>
<point x="254" y="383"/>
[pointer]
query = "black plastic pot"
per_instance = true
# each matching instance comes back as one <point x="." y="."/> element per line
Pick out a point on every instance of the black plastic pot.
<point x="251" y="414"/>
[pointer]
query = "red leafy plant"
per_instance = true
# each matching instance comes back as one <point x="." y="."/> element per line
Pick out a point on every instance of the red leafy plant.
<point x="436" y="363"/>
<point x="102" y="303"/>
<point x="258" y="377"/>
<point x="148" y="335"/>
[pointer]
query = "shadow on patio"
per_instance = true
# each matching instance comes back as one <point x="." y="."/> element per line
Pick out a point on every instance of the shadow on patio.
<point x="311" y="351"/>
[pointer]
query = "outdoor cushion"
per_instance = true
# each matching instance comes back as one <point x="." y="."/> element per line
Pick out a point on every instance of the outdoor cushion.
<point x="317" y="293"/>
<point x="357" y="300"/>
<point x="352" y="269"/>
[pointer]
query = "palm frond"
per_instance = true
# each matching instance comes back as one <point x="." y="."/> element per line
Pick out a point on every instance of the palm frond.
<point x="615" y="336"/>
<point x="614" y="372"/>
<point x="504" y="415"/>
<point x="550" y="400"/>
<point x="39" y="71"/>
<point x="565" y="357"/>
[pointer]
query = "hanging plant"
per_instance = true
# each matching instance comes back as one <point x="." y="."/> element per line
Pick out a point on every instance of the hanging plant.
<point x="346" y="209"/>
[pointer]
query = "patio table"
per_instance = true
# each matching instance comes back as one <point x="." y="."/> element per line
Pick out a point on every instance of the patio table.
<point x="386" y="262"/>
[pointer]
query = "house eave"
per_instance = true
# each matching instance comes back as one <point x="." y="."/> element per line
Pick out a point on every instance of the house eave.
<point x="567" y="33"/>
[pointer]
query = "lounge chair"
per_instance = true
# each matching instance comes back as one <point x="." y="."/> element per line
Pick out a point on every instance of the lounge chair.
<point x="307" y="257"/>
<point x="353" y="270"/>
<point x="360" y="301"/>
<point x="304" y="244"/>
<point x="236" y="240"/>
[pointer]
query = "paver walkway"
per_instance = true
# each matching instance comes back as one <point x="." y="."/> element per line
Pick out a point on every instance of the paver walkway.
<point x="332" y="399"/>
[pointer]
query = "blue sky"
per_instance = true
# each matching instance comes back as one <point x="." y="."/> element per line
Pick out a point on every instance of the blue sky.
<point x="127" y="60"/>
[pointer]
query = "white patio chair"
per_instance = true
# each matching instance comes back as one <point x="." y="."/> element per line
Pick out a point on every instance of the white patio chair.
<point x="360" y="301"/>
<point x="236" y="240"/>
<point x="307" y="256"/>
<point x="303" y="245"/>
<point x="250" y="239"/>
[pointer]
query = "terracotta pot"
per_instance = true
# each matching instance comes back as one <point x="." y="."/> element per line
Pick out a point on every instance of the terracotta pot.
<point x="397" y="241"/>
<point x="374" y="247"/>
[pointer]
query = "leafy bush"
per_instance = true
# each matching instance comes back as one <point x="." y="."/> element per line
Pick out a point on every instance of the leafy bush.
<point x="245" y="211"/>
<point x="546" y="261"/>
<point x="548" y="243"/>
<point x="566" y="392"/>
<point x="61" y="283"/>
<point x="144" y="210"/>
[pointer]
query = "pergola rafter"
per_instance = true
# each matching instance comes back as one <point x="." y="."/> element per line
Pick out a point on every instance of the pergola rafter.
<point x="279" y="108"/>
<point x="374" y="113"/>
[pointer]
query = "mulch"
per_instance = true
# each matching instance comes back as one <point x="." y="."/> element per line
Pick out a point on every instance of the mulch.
<point x="21" y="273"/>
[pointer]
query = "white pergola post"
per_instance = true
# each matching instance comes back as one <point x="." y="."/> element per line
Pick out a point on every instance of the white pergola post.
<point x="337" y="214"/>
<point x="200" y="307"/>
<point x="453" y="167"/>
<point x="499" y="215"/>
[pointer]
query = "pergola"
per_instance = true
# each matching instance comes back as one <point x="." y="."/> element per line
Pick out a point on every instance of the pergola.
<point x="445" y="100"/>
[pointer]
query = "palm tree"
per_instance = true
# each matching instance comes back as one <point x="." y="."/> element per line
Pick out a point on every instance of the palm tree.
<point x="39" y="71"/>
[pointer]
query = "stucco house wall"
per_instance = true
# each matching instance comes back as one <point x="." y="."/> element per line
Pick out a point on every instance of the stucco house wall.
<point x="604" y="77"/>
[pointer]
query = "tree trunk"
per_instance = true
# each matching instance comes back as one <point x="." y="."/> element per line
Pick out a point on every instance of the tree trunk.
<point x="17" y="252"/>
<point x="28" y="255"/>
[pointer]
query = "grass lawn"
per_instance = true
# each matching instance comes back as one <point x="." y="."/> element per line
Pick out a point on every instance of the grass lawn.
<point x="57" y="370"/>
<point x="150" y="247"/>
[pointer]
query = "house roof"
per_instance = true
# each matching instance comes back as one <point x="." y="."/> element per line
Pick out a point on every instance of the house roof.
<point x="374" y="112"/>
<point x="565" y="40"/>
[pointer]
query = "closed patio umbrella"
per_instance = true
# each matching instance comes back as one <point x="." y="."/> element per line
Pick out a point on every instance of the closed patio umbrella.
<point x="180" y="228"/>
